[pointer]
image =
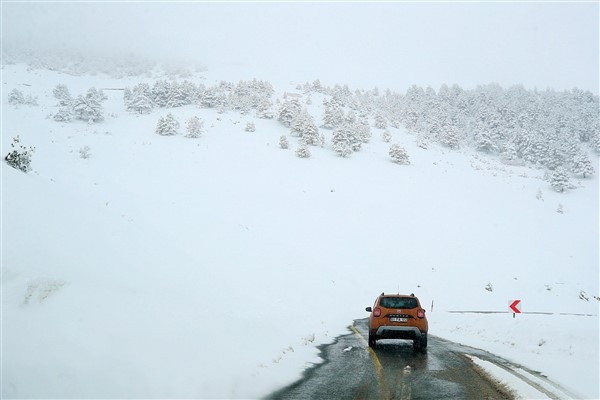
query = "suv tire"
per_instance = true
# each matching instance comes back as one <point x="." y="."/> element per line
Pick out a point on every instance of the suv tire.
<point x="372" y="341"/>
<point x="420" y="344"/>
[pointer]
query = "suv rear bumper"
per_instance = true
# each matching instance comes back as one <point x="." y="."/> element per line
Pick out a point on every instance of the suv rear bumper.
<point x="399" y="332"/>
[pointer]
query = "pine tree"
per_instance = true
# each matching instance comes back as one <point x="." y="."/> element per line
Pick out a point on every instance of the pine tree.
<point x="283" y="142"/>
<point x="343" y="149"/>
<point x="449" y="137"/>
<point x="263" y="109"/>
<point x="303" y="151"/>
<point x="509" y="153"/>
<point x="189" y="92"/>
<point x="342" y="139"/>
<point x="399" y="154"/>
<point x="560" y="179"/>
<point x="250" y="127"/>
<point x="304" y="126"/>
<point x="160" y="93"/>
<point x="483" y="141"/>
<point x="333" y="114"/>
<point x="380" y="121"/>
<point x="386" y="136"/>
<point x="194" y="127"/>
<point x="64" y="114"/>
<point x="127" y="96"/>
<point x="583" y="166"/>
<point x="62" y="94"/>
<point x="363" y="130"/>
<point x="89" y="107"/>
<point x="140" y="100"/>
<point x="175" y="95"/>
<point x="288" y="110"/>
<point x="167" y="126"/>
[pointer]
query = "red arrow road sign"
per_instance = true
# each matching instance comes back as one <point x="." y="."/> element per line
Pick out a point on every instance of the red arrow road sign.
<point x="515" y="306"/>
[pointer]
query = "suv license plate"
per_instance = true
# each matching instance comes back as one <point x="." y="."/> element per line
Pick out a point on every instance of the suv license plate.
<point x="396" y="319"/>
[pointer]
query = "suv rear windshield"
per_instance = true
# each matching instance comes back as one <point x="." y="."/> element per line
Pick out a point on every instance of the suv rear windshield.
<point x="398" y="302"/>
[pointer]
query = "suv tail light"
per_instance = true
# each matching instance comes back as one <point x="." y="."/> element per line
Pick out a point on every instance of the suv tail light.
<point x="421" y="313"/>
<point x="377" y="312"/>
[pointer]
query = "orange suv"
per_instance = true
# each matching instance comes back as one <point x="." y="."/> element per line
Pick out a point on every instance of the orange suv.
<point x="398" y="316"/>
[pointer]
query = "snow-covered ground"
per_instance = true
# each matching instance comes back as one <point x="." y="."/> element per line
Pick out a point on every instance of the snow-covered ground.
<point x="212" y="268"/>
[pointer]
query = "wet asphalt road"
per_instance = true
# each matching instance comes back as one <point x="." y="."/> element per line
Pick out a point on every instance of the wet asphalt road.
<point x="393" y="370"/>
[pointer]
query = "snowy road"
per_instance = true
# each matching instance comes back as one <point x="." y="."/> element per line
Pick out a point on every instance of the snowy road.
<point x="392" y="370"/>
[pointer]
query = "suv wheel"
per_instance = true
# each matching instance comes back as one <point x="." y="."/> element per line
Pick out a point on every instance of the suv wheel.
<point x="420" y="344"/>
<point x="416" y="344"/>
<point x="372" y="341"/>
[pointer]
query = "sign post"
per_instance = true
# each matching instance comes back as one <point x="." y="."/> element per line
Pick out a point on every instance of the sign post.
<point x="515" y="306"/>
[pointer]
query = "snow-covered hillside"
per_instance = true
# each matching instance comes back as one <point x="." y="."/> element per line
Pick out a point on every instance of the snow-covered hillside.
<point x="164" y="266"/>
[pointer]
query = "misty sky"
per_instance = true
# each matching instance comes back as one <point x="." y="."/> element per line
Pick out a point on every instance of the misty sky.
<point x="389" y="45"/>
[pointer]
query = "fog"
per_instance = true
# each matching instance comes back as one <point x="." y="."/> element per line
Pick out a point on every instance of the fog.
<point x="389" y="45"/>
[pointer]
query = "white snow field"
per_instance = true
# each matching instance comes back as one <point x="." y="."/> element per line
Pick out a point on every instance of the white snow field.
<point x="169" y="267"/>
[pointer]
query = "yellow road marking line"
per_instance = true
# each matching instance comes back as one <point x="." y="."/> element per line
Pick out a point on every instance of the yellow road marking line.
<point x="384" y="393"/>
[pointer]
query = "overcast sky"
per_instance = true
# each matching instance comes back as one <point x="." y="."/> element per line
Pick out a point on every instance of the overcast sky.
<point x="362" y="44"/>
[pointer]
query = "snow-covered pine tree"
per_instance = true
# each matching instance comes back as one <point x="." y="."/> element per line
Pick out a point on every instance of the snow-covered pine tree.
<point x="343" y="149"/>
<point x="62" y="94"/>
<point x="264" y="109"/>
<point x="380" y="122"/>
<point x="160" y="93"/>
<point x="347" y="132"/>
<point x="167" y="126"/>
<point x="560" y="179"/>
<point x="96" y="94"/>
<point x="208" y="98"/>
<point x="399" y="154"/>
<point x="64" y="114"/>
<point x="303" y="150"/>
<point x="583" y="166"/>
<point x="353" y="130"/>
<point x="88" y="107"/>
<point x="509" y="153"/>
<point x="127" y="96"/>
<point x="449" y="137"/>
<point x="483" y="141"/>
<point x="175" y="96"/>
<point x="84" y="152"/>
<point x="283" y="142"/>
<point x="140" y="101"/>
<point x="250" y="126"/>
<point x="363" y="130"/>
<point x="189" y="92"/>
<point x="288" y="110"/>
<point x="386" y="136"/>
<point x="194" y="127"/>
<point x="303" y="125"/>
<point x="333" y="114"/>
<point x="422" y="142"/>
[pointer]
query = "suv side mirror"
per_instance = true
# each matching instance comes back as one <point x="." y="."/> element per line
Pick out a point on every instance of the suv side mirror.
<point x="369" y="309"/>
